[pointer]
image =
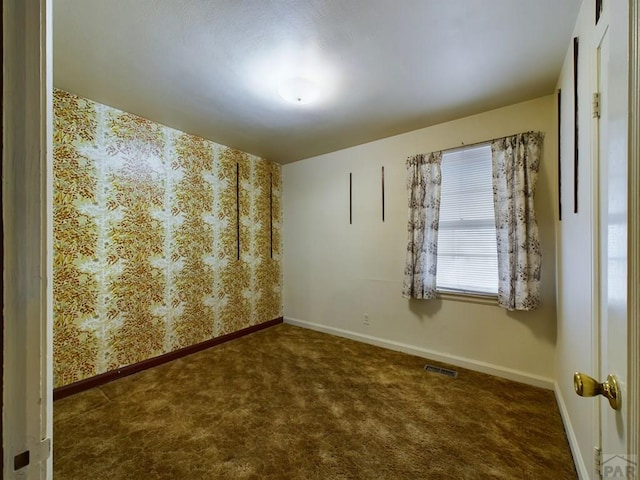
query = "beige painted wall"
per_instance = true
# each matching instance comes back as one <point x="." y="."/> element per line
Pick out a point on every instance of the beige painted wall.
<point x="335" y="273"/>
<point x="575" y="252"/>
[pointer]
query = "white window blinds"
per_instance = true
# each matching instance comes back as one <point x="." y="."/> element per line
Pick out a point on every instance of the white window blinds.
<point x="467" y="253"/>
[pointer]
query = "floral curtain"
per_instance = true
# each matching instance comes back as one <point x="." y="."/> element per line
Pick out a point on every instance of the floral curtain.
<point x="516" y="161"/>
<point x="423" y="186"/>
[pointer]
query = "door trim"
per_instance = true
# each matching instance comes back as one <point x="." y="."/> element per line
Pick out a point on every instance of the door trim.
<point x="27" y="242"/>
<point x="633" y="387"/>
<point x="598" y="34"/>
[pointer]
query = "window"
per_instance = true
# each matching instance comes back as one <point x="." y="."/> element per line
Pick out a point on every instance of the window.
<point x="467" y="253"/>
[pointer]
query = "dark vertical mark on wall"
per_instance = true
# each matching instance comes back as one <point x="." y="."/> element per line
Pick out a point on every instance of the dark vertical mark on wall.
<point x="238" y="207"/>
<point x="575" y="125"/>
<point x="559" y="155"/>
<point x="271" y="214"/>
<point x="350" y="198"/>
<point x="598" y="10"/>
<point x="2" y="247"/>
<point x="383" y="194"/>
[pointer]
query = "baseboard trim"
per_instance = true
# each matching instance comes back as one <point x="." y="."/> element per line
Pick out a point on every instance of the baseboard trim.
<point x="578" y="460"/>
<point x="96" y="381"/>
<point x="491" y="369"/>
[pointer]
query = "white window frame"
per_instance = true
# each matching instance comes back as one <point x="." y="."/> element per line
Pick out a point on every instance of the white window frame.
<point x="446" y="290"/>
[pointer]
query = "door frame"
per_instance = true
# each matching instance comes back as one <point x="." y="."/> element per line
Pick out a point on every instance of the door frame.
<point x="27" y="238"/>
<point x="633" y="273"/>
<point x="598" y="34"/>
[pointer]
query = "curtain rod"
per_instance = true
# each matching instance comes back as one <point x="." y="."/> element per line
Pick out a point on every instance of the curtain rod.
<point x="468" y="145"/>
<point x="465" y="145"/>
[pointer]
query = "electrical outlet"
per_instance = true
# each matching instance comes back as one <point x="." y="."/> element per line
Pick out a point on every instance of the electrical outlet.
<point x="366" y="319"/>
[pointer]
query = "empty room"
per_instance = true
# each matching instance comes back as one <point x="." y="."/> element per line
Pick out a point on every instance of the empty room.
<point x="311" y="239"/>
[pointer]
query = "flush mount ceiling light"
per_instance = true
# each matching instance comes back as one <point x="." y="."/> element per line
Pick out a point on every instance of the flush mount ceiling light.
<point x="299" y="90"/>
<point x="298" y="74"/>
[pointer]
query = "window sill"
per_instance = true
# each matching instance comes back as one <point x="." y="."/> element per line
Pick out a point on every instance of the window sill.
<point x="480" y="298"/>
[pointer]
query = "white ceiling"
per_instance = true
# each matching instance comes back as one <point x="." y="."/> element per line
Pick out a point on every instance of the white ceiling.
<point x="213" y="67"/>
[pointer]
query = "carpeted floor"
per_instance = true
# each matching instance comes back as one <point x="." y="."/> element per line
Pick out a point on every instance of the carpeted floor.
<point x="291" y="403"/>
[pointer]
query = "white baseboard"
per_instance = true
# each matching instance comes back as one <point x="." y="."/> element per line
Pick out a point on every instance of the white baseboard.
<point x="581" y="467"/>
<point x="478" y="366"/>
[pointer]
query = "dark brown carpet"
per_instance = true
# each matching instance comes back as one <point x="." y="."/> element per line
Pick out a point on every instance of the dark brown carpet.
<point x="290" y="403"/>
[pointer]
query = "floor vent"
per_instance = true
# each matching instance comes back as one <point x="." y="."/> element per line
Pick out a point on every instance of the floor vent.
<point x="442" y="371"/>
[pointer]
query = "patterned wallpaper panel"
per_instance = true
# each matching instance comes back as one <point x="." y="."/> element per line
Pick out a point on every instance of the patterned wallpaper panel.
<point x="145" y="239"/>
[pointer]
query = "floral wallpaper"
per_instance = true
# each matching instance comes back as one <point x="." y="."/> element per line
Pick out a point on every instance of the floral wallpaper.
<point x="145" y="239"/>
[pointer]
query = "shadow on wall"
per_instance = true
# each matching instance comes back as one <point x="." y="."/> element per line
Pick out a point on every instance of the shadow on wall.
<point x="429" y="309"/>
<point x="544" y="330"/>
<point x="425" y="308"/>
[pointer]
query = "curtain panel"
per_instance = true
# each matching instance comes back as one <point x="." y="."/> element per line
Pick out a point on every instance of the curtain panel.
<point x="423" y="190"/>
<point x="516" y="161"/>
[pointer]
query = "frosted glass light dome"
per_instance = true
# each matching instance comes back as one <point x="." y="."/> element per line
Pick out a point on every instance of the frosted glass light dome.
<point x="299" y="90"/>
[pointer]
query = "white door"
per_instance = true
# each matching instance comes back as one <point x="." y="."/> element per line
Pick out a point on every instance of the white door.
<point x="611" y="38"/>
<point x="616" y="431"/>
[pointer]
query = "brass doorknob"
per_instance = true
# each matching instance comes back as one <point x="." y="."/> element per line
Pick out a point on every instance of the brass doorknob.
<point x="585" y="386"/>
